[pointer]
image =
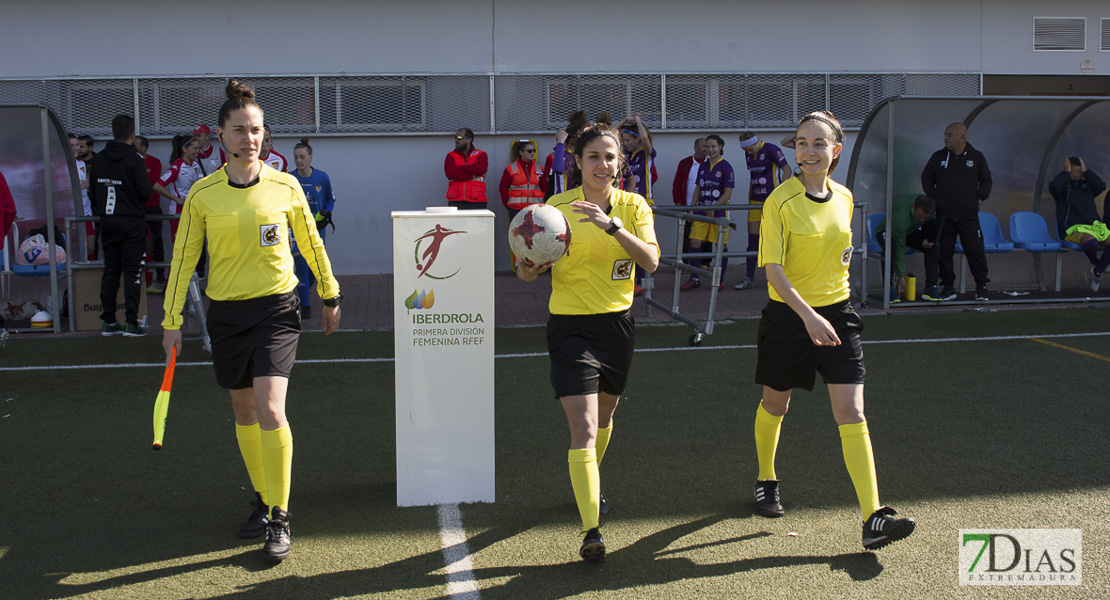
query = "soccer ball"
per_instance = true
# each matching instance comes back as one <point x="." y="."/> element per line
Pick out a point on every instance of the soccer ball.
<point x="9" y="309"/>
<point x="539" y="234"/>
<point x="28" y="309"/>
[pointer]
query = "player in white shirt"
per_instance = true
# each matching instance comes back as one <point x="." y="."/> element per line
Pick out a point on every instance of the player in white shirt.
<point x="184" y="171"/>
<point x="210" y="160"/>
<point x="86" y="205"/>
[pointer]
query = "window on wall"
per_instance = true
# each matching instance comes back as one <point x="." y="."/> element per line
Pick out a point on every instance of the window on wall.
<point x="1059" y="34"/>
<point x="175" y="106"/>
<point x="566" y="96"/>
<point x="377" y="105"/>
<point x="851" y="99"/>
<point x="619" y="96"/>
<point x="290" y="106"/>
<point x="687" y="102"/>
<point x="88" y="107"/>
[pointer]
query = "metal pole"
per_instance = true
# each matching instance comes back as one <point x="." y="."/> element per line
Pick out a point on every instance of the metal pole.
<point x="889" y="206"/>
<point x="663" y="101"/>
<point x="316" y="88"/>
<point x="492" y="106"/>
<point x="48" y="185"/>
<point x="135" y="92"/>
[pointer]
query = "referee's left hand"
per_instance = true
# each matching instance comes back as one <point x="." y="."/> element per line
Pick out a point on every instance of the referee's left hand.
<point x="331" y="319"/>
<point x="593" y="213"/>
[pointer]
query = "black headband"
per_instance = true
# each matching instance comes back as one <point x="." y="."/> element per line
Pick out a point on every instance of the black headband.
<point x="817" y="117"/>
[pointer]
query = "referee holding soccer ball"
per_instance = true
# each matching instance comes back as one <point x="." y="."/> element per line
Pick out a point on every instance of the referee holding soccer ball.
<point x="591" y="334"/>
<point x="246" y="211"/>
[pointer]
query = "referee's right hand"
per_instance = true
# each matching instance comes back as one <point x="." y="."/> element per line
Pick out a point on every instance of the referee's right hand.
<point x="171" y="338"/>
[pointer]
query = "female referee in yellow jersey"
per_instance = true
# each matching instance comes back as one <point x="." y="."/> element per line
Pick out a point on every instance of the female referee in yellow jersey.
<point x="246" y="210"/>
<point x="591" y="334"/>
<point x="809" y="325"/>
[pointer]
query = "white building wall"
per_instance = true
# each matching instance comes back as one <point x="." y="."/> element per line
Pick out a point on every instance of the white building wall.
<point x="374" y="175"/>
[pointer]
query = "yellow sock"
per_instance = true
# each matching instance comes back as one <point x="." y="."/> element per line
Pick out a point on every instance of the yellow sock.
<point x="277" y="458"/>
<point x="586" y="482"/>
<point x="602" y="442"/>
<point x="856" y="443"/>
<point x="250" y="446"/>
<point x="767" y="428"/>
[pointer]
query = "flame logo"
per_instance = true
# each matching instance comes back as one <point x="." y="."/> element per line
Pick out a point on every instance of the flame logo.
<point x="419" y="300"/>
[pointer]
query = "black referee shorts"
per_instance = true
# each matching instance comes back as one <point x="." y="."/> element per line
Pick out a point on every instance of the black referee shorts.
<point x="253" y="338"/>
<point x="590" y="353"/>
<point x="789" y="359"/>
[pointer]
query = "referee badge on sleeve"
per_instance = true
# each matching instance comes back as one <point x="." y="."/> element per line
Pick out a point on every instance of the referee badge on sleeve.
<point x="846" y="256"/>
<point x="622" y="269"/>
<point x="269" y="235"/>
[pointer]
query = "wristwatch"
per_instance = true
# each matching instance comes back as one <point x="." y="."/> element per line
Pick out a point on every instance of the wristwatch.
<point x="614" y="226"/>
<point x="333" y="302"/>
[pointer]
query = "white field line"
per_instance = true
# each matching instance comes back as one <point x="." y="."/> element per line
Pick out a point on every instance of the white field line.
<point x="316" y="361"/>
<point x="456" y="555"/>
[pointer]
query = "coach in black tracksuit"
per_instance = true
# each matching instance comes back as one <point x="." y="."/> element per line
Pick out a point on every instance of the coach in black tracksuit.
<point x="118" y="189"/>
<point x="957" y="177"/>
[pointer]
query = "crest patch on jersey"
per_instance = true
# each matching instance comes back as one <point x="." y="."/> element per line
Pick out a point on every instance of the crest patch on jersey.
<point x="622" y="269"/>
<point x="970" y="164"/>
<point x="846" y="256"/>
<point x="269" y="235"/>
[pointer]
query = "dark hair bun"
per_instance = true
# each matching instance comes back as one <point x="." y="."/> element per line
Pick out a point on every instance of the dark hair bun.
<point x="604" y="118"/>
<point x="578" y="121"/>
<point x="304" y="141"/>
<point x="236" y="90"/>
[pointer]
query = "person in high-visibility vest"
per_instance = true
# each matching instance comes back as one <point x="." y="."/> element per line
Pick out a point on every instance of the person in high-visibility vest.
<point x="465" y="168"/>
<point x="523" y="182"/>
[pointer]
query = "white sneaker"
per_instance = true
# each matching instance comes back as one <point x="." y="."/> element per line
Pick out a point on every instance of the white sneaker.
<point x="747" y="284"/>
<point x="1095" y="280"/>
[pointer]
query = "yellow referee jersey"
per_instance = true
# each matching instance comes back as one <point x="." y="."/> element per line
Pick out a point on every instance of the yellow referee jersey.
<point x="248" y="241"/>
<point x="811" y="239"/>
<point x="596" y="275"/>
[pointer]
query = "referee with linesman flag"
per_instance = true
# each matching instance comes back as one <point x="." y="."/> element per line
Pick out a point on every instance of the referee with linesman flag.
<point x="247" y="210"/>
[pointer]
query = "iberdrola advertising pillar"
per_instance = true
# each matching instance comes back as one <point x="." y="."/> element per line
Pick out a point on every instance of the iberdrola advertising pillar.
<point x="443" y="346"/>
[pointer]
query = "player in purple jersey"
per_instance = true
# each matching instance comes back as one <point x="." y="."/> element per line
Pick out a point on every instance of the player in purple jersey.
<point x="639" y="161"/>
<point x="715" y="182"/>
<point x="768" y="168"/>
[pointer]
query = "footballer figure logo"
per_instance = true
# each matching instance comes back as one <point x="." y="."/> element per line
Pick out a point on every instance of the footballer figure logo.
<point x="269" y="235"/>
<point x="431" y="248"/>
<point x="846" y="256"/>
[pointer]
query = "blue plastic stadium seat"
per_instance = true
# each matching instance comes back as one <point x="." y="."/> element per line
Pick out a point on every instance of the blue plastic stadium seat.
<point x="993" y="240"/>
<point x="1030" y="233"/>
<point x="873" y="246"/>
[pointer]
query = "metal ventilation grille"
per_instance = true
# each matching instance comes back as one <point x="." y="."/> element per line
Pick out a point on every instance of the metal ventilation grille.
<point x="1104" y="45"/>
<point x="1059" y="33"/>
<point x="527" y="103"/>
<point x="520" y="104"/>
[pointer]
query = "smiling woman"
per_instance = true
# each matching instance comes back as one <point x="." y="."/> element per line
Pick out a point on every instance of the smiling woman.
<point x="246" y="211"/>
<point x="809" y="324"/>
<point x="590" y="334"/>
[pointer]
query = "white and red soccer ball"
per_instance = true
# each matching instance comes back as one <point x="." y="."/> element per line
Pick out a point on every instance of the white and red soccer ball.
<point x="540" y="234"/>
<point x="20" y="311"/>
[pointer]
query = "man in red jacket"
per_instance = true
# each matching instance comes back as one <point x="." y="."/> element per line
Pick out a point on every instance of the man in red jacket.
<point x="466" y="168"/>
<point x="685" y="180"/>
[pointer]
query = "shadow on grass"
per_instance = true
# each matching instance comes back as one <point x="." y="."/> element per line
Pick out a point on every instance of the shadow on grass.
<point x="644" y="563"/>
